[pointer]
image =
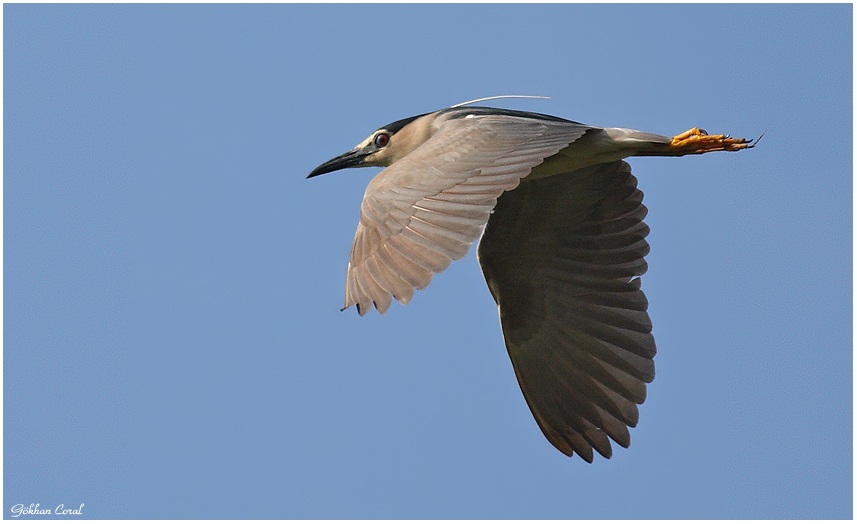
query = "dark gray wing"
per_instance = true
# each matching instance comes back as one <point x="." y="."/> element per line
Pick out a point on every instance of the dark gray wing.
<point x="561" y="256"/>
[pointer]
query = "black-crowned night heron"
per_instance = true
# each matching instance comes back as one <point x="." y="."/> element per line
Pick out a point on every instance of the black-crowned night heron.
<point x="562" y="250"/>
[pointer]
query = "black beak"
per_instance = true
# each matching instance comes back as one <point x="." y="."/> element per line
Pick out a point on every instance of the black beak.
<point x="352" y="158"/>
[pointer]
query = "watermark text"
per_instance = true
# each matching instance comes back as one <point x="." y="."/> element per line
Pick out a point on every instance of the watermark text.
<point x="19" y="510"/>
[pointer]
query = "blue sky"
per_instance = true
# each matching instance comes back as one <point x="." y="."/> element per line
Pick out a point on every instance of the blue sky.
<point x="173" y="344"/>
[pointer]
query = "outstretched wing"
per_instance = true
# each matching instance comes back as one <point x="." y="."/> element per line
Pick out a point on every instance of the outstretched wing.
<point x="426" y="209"/>
<point x="561" y="256"/>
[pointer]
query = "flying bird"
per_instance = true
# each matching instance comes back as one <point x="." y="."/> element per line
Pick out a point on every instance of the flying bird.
<point x="562" y="250"/>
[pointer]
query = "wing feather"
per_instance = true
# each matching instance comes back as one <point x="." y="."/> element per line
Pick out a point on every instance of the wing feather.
<point x="425" y="210"/>
<point x="562" y="256"/>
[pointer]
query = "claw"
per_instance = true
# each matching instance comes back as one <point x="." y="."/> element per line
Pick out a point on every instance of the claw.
<point x="754" y="143"/>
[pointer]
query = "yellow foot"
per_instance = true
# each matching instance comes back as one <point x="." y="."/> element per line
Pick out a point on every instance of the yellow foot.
<point x="697" y="141"/>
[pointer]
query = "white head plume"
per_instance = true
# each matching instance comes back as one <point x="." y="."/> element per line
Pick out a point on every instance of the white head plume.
<point x="499" y="96"/>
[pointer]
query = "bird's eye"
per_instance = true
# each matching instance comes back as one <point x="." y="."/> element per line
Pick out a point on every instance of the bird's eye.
<point x="382" y="139"/>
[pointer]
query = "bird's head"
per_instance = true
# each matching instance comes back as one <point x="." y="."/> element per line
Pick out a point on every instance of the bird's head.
<point x="383" y="147"/>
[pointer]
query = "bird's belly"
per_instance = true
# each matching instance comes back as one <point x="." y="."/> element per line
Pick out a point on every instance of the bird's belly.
<point x="597" y="146"/>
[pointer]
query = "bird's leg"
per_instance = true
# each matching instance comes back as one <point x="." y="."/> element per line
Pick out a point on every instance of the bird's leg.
<point x="696" y="141"/>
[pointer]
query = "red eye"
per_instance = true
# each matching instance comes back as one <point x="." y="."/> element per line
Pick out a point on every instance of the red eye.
<point x="382" y="139"/>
